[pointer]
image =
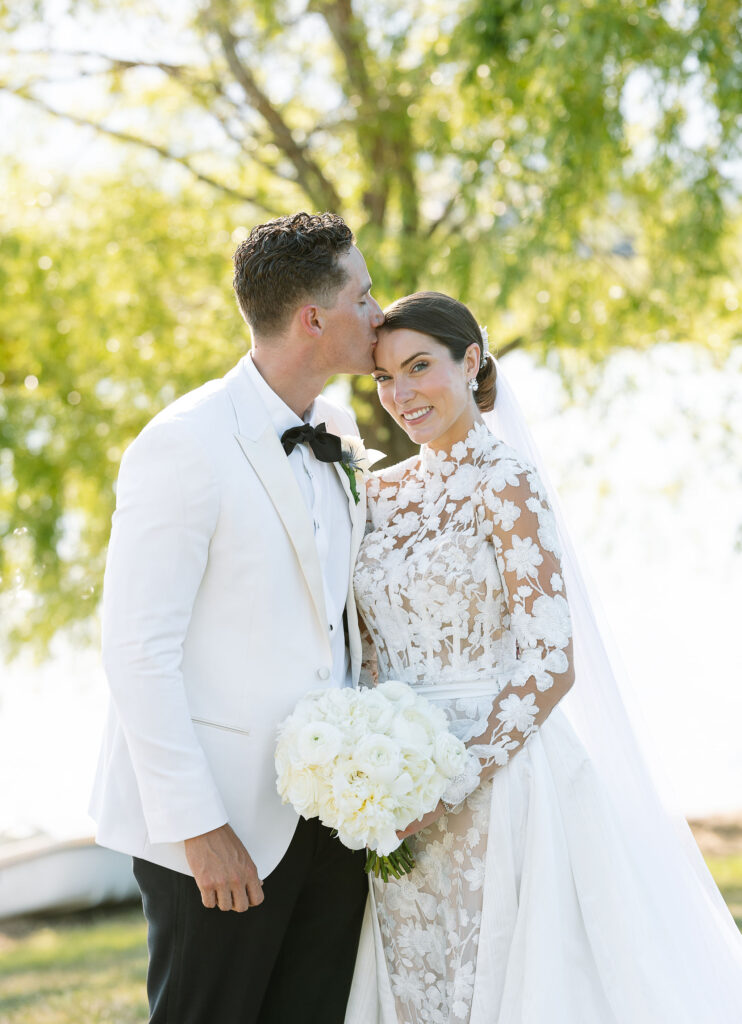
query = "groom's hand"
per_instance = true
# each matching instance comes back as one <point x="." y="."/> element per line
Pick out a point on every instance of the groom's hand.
<point x="224" y="870"/>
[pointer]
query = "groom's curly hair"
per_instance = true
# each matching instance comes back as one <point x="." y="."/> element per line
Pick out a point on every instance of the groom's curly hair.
<point x="287" y="261"/>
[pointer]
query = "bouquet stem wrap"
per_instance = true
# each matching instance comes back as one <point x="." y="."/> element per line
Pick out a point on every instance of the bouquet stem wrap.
<point x="399" y="862"/>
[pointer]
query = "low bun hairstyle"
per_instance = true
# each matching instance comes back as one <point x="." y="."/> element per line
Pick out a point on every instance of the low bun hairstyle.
<point x="452" y="324"/>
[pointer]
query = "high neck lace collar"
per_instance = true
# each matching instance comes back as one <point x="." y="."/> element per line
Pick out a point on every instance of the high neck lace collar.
<point x="477" y="445"/>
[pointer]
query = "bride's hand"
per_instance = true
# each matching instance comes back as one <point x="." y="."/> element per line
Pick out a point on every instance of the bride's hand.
<point x="421" y="823"/>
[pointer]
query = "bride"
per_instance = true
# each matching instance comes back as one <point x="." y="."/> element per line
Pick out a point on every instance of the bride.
<point x="551" y="887"/>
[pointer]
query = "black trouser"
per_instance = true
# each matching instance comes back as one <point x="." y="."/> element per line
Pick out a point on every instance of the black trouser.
<point x="288" y="961"/>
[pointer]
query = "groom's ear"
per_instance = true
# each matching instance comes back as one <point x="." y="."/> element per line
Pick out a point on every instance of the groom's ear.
<point x="310" y="318"/>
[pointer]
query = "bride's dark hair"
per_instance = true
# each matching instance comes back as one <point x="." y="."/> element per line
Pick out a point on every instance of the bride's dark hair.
<point x="453" y="325"/>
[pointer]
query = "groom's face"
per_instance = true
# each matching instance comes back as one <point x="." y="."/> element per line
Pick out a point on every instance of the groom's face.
<point x="350" y="324"/>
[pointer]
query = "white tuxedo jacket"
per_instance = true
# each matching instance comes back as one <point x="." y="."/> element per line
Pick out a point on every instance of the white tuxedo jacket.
<point x="214" y="626"/>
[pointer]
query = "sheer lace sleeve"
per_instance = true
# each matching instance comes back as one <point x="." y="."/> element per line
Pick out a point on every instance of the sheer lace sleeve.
<point x="519" y="523"/>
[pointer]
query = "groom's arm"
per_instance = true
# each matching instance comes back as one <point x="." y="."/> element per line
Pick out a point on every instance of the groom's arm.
<point x="166" y="510"/>
<point x="166" y="513"/>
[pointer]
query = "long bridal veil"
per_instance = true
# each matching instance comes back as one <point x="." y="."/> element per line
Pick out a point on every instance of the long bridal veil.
<point x="668" y="878"/>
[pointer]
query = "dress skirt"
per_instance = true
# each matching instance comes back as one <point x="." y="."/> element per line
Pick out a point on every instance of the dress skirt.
<point x="527" y="906"/>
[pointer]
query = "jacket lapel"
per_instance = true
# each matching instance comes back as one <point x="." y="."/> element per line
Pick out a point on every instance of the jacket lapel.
<point x="358" y="523"/>
<point x="357" y="513"/>
<point x="261" y="446"/>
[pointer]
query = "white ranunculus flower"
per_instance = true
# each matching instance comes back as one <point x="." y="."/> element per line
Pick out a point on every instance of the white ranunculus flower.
<point x="385" y="841"/>
<point x="449" y="754"/>
<point x="318" y="743"/>
<point x="399" y="694"/>
<point x="288" y="730"/>
<point x="403" y="784"/>
<point x="434" y="715"/>
<point x="352" y="840"/>
<point x="379" y="711"/>
<point x="283" y="763"/>
<point x="347" y="786"/>
<point x="378" y="757"/>
<point x="331" y="705"/>
<point x="411" y="733"/>
<point x="429" y="786"/>
<point x="302" y="792"/>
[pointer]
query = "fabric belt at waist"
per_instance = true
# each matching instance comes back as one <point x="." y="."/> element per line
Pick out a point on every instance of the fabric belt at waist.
<point x="449" y="691"/>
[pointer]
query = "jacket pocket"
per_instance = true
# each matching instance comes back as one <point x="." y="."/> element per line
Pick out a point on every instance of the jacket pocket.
<point x="220" y="725"/>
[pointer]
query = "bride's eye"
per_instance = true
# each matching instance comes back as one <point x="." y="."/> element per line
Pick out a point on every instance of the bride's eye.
<point x="421" y="363"/>
<point x="380" y="379"/>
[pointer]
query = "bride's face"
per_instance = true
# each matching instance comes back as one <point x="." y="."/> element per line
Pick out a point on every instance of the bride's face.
<point x="424" y="389"/>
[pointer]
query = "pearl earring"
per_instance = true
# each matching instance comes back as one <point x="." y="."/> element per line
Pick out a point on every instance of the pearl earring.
<point x="473" y="384"/>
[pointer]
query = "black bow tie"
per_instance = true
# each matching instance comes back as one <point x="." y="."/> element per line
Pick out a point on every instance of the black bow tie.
<point x="325" y="446"/>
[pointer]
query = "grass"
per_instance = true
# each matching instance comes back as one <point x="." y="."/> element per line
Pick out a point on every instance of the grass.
<point x="727" y="872"/>
<point x="90" y="968"/>
<point x="84" y="968"/>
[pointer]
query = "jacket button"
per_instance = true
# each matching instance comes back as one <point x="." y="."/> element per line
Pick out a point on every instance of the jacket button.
<point x="323" y="673"/>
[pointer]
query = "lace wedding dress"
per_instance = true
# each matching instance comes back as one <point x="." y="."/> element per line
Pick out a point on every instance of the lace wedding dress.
<point x="524" y="906"/>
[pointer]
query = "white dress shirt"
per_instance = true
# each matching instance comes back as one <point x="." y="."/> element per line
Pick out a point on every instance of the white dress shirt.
<point x="327" y="506"/>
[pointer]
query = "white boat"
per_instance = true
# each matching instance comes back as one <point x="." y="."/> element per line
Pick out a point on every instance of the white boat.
<point x="43" y="874"/>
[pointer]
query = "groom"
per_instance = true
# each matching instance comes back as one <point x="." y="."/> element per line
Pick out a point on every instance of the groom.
<point x="228" y="596"/>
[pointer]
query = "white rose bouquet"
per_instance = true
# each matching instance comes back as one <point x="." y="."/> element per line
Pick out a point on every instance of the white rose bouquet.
<point x="367" y="763"/>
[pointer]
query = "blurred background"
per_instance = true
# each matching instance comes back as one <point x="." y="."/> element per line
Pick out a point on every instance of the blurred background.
<point x="572" y="170"/>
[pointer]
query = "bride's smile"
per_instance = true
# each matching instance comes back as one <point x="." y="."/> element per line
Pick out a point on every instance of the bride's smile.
<point x="424" y="389"/>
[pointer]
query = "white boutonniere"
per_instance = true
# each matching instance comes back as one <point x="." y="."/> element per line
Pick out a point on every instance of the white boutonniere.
<point x="357" y="459"/>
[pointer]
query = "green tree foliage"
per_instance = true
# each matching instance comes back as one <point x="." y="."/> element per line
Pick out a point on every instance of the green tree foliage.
<point x="108" y="316"/>
<point x="570" y="169"/>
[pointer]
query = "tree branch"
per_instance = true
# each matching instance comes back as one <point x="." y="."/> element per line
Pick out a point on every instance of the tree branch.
<point x="344" y="28"/>
<point x="135" y="140"/>
<point x="181" y="74"/>
<point x="309" y="174"/>
<point x="119" y="63"/>
<point x="380" y="155"/>
<point x="510" y="346"/>
<point x="447" y="211"/>
<point x="242" y="143"/>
